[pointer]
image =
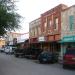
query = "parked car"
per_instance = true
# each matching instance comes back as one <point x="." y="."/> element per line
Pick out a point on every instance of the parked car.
<point x="19" y="52"/>
<point x="47" y="57"/>
<point x="32" y="53"/>
<point x="69" y="58"/>
<point x="2" y="49"/>
<point x="8" y="50"/>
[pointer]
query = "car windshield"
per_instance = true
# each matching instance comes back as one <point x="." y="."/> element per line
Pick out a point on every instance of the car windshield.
<point x="71" y="51"/>
<point x="46" y="53"/>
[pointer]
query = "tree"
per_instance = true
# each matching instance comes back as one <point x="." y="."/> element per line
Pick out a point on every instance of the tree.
<point x="9" y="20"/>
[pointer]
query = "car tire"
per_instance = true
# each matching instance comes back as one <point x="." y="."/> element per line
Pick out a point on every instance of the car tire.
<point x="53" y="62"/>
<point x="41" y="61"/>
<point x="64" y="66"/>
<point x="16" y="55"/>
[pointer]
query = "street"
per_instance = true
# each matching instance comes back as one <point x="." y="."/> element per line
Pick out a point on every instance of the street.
<point x="9" y="65"/>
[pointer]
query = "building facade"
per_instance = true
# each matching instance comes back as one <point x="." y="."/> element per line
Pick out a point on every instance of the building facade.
<point x="46" y="31"/>
<point x="34" y="32"/>
<point x="51" y="28"/>
<point x="67" y="29"/>
<point x="12" y="37"/>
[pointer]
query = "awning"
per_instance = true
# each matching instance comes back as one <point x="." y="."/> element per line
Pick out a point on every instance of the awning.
<point x="68" y="39"/>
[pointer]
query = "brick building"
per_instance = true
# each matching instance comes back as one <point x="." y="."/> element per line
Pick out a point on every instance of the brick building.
<point x="50" y="29"/>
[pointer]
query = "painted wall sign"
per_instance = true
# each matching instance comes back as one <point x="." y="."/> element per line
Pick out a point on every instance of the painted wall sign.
<point x="41" y="38"/>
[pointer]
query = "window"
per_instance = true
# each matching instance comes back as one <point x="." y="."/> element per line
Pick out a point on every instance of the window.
<point x="39" y="30"/>
<point x="35" y="32"/>
<point x="56" y="23"/>
<point x="71" y="22"/>
<point x="49" y="24"/>
<point x="30" y="32"/>
<point x="70" y="51"/>
<point x="45" y="26"/>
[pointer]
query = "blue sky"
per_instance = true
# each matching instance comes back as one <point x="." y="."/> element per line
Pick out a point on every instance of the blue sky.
<point x="31" y="9"/>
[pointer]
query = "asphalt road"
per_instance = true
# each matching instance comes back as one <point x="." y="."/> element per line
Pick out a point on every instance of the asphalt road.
<point x="9" y="65"/>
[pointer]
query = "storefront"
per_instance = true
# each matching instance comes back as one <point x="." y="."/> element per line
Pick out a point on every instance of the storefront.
<point x="66" y="42"/>
<point x="50" y="45"/>
<point x="53" y="44"/>
<point x="41" y="41"/>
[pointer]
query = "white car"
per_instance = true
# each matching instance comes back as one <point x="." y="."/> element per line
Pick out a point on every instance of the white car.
<point x="2" y="49"/>
<point x="8" y="50"/>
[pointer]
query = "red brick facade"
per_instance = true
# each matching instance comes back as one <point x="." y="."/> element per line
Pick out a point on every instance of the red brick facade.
<point x="49" y="31"/>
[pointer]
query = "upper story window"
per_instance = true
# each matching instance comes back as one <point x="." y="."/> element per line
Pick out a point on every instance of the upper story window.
<point x="32" y="32"/>
<point x="56" y="23"/>
<point x="45" y="26"/>
<point x="71" y="22"/>
<point x="39" y="30"/>
<point x="49" y="23"/>
<point x="35" y="31"/>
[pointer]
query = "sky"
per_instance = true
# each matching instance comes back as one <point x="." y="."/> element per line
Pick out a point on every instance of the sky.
<point x="32" y="9"/>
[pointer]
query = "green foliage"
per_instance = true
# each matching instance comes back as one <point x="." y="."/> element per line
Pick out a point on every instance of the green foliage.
<point x="9" y="20"/>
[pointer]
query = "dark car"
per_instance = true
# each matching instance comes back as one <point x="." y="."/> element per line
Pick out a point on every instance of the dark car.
<point x="69" y="58"/>
<point x="19" y="52"/>
<point x="47" y="57"/>
<point x="32" y="53"/>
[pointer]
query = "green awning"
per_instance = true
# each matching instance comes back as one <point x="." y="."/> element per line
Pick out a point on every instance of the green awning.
<point x="68" y="39"/>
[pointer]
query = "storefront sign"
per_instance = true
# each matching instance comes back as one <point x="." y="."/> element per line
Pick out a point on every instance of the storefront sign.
<point x="68" y="39"/>
<point x="41" y="39"/>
